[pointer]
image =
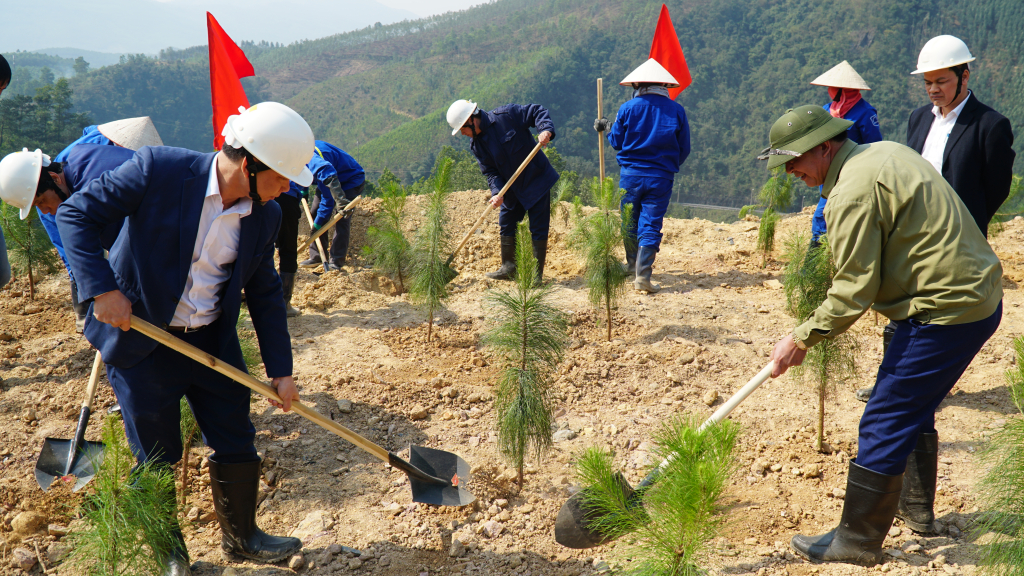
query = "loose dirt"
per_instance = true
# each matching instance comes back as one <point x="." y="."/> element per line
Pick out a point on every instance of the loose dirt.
<point x="358" y="340"/>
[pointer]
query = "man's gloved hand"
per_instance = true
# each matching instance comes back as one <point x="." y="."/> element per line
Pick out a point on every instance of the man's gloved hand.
<point x="317" y="227"/>
<point x="601" y="124"/>
<point x="304" y="193"/>
<point x="340" y="201"/>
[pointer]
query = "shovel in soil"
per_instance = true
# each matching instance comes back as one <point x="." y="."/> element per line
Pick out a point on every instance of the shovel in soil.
<point x="77" y="459"/>
<point x="330" y="224"/>
<point x="436" y="477"/>
<point x="451" y="272"/>
<point x="574" y="527"/>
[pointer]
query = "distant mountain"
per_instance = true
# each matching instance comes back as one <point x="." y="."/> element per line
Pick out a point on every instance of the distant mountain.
<point x="95" y="59"/>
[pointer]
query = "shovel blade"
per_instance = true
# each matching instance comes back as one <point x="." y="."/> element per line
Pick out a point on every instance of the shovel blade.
<point x="444" y="465"/>
<point x="53" y="460"/>
<point x="575" y="525"/>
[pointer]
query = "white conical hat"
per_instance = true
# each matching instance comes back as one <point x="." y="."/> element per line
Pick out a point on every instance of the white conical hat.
<point x="652" y="72"/>
<point x="132" y="133"/>
<point x="841" y="75"/>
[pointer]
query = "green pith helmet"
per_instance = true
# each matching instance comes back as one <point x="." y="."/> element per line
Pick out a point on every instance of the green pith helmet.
<point x="799" y="130"/>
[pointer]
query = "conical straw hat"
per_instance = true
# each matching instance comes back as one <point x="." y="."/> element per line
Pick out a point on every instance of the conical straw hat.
<point x="650" y="71"/>
<point x="841" y="75"/>
<point x="132" y="133"/>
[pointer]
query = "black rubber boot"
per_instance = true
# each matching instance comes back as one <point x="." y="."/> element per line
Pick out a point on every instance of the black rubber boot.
<point x="864" y="394"/>
<point x="508" y="260"/>
<point x="311" y="262"/>
<point x="918" y="496"/>
<point x="235" y="488"/>
<point x="81" y="309"/>
<point x="288" y="285"/>
<point x="540" y="252"/>
<point x="630" y="257"/>
<point x="178" y="564"/>
<point x="644" y="268"/>
<point x="870" y="505"/>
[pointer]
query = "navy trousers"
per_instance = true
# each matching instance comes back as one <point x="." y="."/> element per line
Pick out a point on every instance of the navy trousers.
<point x="337" y="251"/>
<point x="150" y="392"/>
<point x="922" y="364"/>
<point x="512" y="213"/>
<point x="649" y="196"/>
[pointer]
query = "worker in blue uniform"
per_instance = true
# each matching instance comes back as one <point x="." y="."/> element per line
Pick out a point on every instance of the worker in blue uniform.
<point x="339" y="179"/>
<point x="501" y="141"/>
<point x="199" y="229"/>
<point x="652" y="136"/>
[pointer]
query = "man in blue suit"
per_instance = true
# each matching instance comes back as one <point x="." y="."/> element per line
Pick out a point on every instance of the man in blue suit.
<point x="199" y="229"/>
<point x="501" y="141"/>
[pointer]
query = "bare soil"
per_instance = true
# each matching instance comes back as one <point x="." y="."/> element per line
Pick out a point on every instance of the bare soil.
<point x="705" y="334"/>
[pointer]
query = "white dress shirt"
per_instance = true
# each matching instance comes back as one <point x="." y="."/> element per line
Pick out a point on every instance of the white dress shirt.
<point x="215" y="249"/>
<point x="935" y="143"/>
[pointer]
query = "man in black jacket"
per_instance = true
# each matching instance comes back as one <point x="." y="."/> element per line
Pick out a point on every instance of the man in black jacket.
<point x="969" y="143"/>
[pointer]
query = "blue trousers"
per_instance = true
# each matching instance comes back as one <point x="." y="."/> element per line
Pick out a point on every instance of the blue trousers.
<point x="5" y="265"/>
<point x="649" y="196"/>
<point x="512" y="213"/>
<point x="922" y="364"/>
<point x="150" y="392"/>
<point x="818" y="227"/>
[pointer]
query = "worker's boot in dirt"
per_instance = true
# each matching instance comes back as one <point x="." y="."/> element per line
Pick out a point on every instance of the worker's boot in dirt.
<point x="868" y="510"/>
<point x="864" y="394"/>
<point x="235" y="488"/>
<point x="630" y="258"/>
<point x="80" y="308"/>
<point x="644" y="268"/>
<point x="288" y="285"/>
<point x="508" y="260"/>
<point x="540" y="252"/>
<point x="178" y="563"/>
<point x="311" y="262"/>
<point x="918" y="496"/>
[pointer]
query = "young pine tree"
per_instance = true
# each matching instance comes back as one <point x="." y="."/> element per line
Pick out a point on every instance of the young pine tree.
<point x="807" y="279"/>
<point x="674" y="519"/>
<point x="529" y="335"/>
<point x="389" y="248"/>
<point x="564" y="191"/>
<point x="776" y="194"/>
<point x="130" y="517"/>
<point x="430" y="274"/>
<point x="597" y="239"/>
<point x="28" y="247"/>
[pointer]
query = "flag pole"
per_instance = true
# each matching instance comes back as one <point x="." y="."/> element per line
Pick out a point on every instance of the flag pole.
<point x="600" y="135"/>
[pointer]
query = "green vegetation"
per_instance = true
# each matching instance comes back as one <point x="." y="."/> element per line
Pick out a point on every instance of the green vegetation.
<point x="43" y="121"/>
<point x="529" y="335"/>
<point x="247" y="341"/>
<point x="389" y="248"/>
<point x="28" y="247"/>
<point x="775" y="195"/>
<point x="430" y="249"/>
<point x="1012" y="207"/>
<point x="680" y="513"/>
<point x="807" y="279"/>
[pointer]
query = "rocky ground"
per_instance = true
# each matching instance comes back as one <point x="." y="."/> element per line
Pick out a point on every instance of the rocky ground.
<point x="361" y="358"/>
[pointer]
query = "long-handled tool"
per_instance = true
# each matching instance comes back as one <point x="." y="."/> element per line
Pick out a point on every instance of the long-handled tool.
<point x="436" y="477"/>
<point x="319" y="244"/>
<point x="574" y="525"/>
<point x="330" y="224"/>
<point x="77" y="458"/>
<point x="490" y="207"/>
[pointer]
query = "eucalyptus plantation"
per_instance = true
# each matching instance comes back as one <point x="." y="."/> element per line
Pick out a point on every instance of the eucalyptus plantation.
<point x="389" y="248"/>
<point x="597" y="239"/>
<point x="775" y="194"/>
<point x="673" y="520"/>
<point x="28" y="247"/>
<point x="807" y="279"/>
<point x="529" y="336"/>
<point x="430" y="274"/>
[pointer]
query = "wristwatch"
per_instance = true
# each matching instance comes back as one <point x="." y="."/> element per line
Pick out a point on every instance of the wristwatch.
<point x="799" y="344"/>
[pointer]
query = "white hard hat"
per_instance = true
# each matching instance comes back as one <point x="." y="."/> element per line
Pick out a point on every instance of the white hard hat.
<point x="651" y="72"/>
<point x="19" y="177"/>
<point x="942" y="52"/>
<point x="841" y="75"/>
<point x="458" y="113"/>
<point x="132" y="133"/>
<point x="277" y="136"/>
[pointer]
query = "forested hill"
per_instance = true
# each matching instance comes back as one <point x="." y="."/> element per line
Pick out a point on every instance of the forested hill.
<point x="381" y="93"/>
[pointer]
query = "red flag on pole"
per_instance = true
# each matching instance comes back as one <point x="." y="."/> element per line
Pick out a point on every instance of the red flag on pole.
<point x="228" y="65"/>
<point x="666" y="50"/>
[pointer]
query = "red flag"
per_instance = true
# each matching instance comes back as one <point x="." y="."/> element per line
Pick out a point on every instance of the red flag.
<point x="666" y="50"/>
<point x="228" y="65"/>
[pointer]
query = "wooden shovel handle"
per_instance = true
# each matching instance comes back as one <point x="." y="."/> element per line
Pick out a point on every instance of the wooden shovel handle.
<point x="94" y="379"/>
<point x="331" y="223"/>
<point x="490" y="206"/>
<point x="319" y="245"/>
<point x="600" y="135"/>
<point x="255" y="385"/>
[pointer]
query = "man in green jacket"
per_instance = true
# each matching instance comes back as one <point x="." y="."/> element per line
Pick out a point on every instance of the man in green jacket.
<point x="904" y="244"/>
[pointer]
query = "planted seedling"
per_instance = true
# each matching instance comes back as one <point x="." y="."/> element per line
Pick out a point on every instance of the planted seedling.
<point x="430" y="273"/>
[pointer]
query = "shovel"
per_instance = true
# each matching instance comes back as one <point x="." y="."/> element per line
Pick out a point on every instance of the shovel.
<point x="452" y="273"/>
<point x="330" y="224"/>
<point x="73" y="459"/>
<point x="573" y="527"/>
<point x="319" y="245"/>
<point x="436" y="477"/>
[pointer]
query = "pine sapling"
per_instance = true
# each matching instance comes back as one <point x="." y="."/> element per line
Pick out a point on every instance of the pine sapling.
<point x="529" y="335"/>
<point x="430" y="273"/>
<point x="776" y="194"/>
<point x="807" y="279"/>
<point x="28" y="247"/>
<point x="389" y="248"/>
<point x="597" y="239"/>
<point x="564" y="191"/>
<point x="189" y="434"/>
<point x="673" y="520"/>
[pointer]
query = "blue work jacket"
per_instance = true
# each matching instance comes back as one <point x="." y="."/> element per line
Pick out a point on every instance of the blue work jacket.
<point x="652" y="136"/>
<point x="504" y="142"/>
<point x="329" y="160"/>
<point x="90" y="135"/>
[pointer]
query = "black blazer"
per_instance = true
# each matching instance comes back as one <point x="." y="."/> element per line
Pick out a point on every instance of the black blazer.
<point x="978" y="159"/>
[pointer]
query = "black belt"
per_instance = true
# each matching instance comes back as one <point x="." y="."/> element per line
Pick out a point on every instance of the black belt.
<point x="184" y="329"/>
